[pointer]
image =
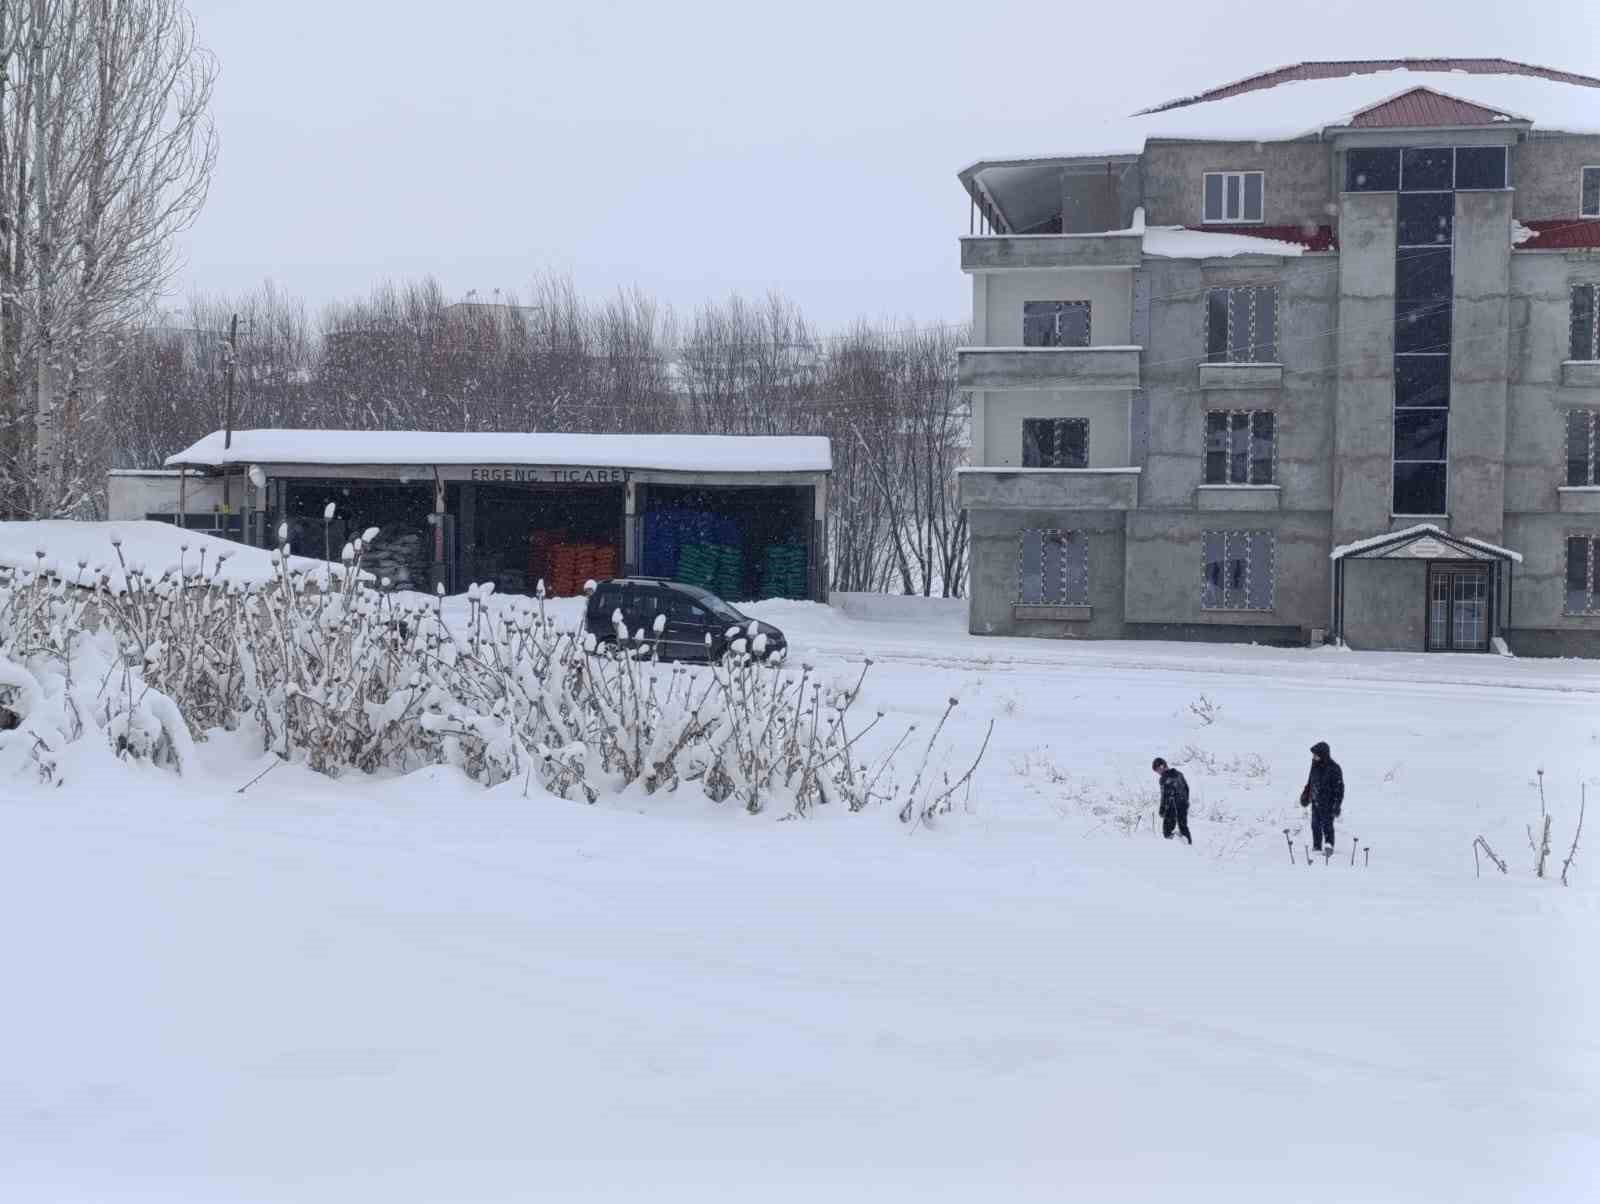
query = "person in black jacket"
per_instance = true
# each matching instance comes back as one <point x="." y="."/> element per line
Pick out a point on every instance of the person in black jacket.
<point x="1324" y="794"/>
<point x="1174" y="800"/>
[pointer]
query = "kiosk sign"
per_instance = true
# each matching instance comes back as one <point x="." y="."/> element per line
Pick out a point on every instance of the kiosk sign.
<point x="549" y="476"/>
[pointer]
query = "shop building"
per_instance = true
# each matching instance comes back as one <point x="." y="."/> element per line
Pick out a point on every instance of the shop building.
<point x="744" y="516"/>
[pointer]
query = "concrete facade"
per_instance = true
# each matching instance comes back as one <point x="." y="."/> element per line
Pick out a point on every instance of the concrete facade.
<point x="1330" y="389"/>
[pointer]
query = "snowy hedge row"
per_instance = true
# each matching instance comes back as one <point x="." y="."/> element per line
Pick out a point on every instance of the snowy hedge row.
<point x="342" y="676"/>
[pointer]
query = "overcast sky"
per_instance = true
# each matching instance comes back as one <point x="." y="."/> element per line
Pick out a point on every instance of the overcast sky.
<point x="701" y="149"/>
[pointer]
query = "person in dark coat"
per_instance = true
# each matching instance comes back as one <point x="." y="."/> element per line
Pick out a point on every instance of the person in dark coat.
<point x="1324" y="794"/>
<point x="1174" y="800"/>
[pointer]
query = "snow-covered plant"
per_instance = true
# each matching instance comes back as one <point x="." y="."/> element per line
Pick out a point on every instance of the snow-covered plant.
<point x="340" y="674"/>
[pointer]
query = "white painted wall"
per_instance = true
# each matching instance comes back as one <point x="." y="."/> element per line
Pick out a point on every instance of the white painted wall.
<point x="998" y="299"/>
<point x="1004" y="410"/>
<point x="135" y="495"/>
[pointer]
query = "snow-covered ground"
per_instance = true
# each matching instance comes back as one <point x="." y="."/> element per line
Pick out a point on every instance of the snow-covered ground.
<point x="81" y="552"/>
<point x="415" y="989"/>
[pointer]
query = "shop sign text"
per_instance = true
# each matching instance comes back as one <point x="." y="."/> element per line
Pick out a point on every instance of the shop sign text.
<point x="557" y="476"/>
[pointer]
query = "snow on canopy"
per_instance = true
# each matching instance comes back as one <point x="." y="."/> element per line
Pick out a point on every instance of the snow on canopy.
<point x="1416" y="532"/>
<point x="680" y="453"/>
<point x="148" y="546"/>
<point x="1304" y="108"/>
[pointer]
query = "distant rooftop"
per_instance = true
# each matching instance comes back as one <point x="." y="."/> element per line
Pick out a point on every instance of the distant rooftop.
<point x="676" y="453"/>
<point x="1341" y="68"/>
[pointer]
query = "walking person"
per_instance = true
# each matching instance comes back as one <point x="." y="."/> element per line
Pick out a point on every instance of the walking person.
<point x="1324" y="794"/>
<point x="1174" y="800"/>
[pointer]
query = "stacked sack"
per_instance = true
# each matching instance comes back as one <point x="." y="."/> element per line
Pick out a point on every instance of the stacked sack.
<point x="401" y="555"/>
<point x="783" y="572"/>
<point x="574" y="564"/>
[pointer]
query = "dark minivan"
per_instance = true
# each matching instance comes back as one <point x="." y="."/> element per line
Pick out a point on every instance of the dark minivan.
<point x="691" y="614"/>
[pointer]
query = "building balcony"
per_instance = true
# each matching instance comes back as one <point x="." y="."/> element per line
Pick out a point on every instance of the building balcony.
<point x="1000" y="252"/>
<point x="1048" y="367"/>
<point x="1581" y="374"/>
<point x="1579" y="499"/>
<point x="1048" y="488"/>
<point x="1241" y="376"/>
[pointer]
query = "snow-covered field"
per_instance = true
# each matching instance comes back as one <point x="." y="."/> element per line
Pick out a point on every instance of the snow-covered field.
<point x="416" y="989"/>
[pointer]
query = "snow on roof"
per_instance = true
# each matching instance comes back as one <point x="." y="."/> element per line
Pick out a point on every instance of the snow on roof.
<point x="151" y="546"/>
<point x="1303" y="108"/>
<point x="1417" y="532"/>
<point x="1179" y="242"/>
<point x="681" y="453"/>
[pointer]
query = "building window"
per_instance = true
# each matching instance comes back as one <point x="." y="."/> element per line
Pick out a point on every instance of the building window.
<point x="1234" y="196"/>
<point x="1238" y="570"/>
<point x="1053" y="568"/>
<point x="1055" y="443"/>
<point x="1055" y="323"/>
<point x="1240" y="446"/>
<point x="1424" y="279"/>
<point x="1580" y="447"/>
<point x="1590" y="189"/>
<point x="1581" y="598"/>
<point x="1242" y="325"/>
<point x="1425" y="169"/>
<point x="1585" y="313"/>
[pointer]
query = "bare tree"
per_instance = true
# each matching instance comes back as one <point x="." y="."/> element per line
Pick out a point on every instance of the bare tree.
<point x="106" y="152"/>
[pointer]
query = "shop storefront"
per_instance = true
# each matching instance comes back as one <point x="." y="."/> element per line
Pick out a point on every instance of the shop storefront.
<point x="743" y="516"/>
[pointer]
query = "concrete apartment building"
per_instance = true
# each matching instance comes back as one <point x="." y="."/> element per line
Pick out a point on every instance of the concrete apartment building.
<point x="1312" y="355"/>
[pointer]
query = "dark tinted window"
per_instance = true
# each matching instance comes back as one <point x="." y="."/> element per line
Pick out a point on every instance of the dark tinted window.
<point x="1419" y="489"/>
<point x="1421" y="326"/>
<point x="1419" y="434"/>
<point x="1591" y="192"/>
<point x="1055" y="443"/>
<point x="1422" y="275"/>
<point x="1217" y="326"/>
<point x="1372" y="170"/>
<point x="1217" y="448"/>
<point x="1578" y="593"/>
<point x="1583" y="322"/>
<point x="1480" y="167"/>
<point x="1422" y="380"/>
<point x="1427" y="219"/>
<point x="1580" y="424"/>
<point x="1427" y="168"/>
<point x="1263" y="432"/>
<point x="605" y="600"/>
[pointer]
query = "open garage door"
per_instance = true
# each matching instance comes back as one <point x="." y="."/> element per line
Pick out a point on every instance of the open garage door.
<point x="517" y="535"/>
<point x="741" y="542"/>
<point x="403" y="549"/>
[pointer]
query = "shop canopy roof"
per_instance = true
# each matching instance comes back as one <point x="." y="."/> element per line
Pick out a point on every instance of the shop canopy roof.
<point x="665" y="453"/>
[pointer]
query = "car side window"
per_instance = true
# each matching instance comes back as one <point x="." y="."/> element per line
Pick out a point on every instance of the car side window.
<point x="680" y="609"/>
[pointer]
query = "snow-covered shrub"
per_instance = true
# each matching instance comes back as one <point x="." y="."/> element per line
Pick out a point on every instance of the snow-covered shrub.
<point x="344" y="676"/>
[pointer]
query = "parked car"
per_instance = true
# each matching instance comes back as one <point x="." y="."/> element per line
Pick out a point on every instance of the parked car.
<point x="691" y="614"/>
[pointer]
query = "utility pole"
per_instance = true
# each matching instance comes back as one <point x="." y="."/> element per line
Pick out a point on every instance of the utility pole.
<point x="230" y="358"/>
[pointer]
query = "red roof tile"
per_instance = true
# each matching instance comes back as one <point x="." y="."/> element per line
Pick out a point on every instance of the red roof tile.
<point x="1312" y="238"/>
<point x="1343" y="67"/>
<point x="1562" y="234"/>
<point x="1422" y="107"/>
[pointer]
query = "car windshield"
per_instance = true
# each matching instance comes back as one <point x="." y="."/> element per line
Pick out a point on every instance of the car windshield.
<point x="718" y="608"/>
